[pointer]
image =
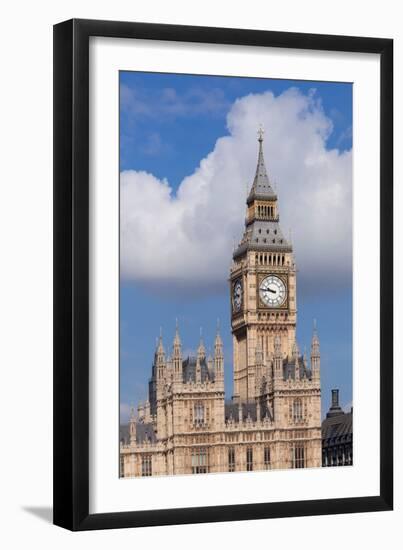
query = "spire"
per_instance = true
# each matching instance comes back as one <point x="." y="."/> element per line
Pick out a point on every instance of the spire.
<point x="295" y="350"/>
<point x="218" y="340"/>
<point x="218" y="356"/>
<point x="160" y="352"/>
<point x="315" y="355"/>
<point x="261" y="187"/>
<point x="315" y="341"/>
<point x="160" y="359"/>
<point x="262" y="228"/>
<point x="132" y="427"/>
<point x="295" y="354"/>
<point x="201" y="350"/>
<point x="177" y="340"/>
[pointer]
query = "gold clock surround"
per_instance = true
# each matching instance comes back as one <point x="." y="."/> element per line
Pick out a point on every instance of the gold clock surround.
<point x="261" y="304"/>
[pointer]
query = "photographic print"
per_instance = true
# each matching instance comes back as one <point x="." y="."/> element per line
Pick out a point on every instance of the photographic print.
<point x="235" y="274"/>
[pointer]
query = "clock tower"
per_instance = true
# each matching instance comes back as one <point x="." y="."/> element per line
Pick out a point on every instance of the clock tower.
<point x="263" y="291"/>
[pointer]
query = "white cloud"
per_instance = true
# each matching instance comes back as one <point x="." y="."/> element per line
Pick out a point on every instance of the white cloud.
<point x="186" y="240"/>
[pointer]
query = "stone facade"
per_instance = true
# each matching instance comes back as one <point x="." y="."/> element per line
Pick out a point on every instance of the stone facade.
<point x="273" y="418"/>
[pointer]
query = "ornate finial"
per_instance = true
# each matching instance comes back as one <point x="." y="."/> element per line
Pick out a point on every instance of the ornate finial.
<point x="260" y="133"/>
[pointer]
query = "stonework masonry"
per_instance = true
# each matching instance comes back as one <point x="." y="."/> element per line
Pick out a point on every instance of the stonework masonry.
<point x="272" y="421"/>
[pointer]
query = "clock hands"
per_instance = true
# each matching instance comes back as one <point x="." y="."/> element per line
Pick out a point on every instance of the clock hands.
<point x="270" y="290"/>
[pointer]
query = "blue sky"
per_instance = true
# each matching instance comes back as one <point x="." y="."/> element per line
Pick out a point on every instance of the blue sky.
<point x="168" y="124"/>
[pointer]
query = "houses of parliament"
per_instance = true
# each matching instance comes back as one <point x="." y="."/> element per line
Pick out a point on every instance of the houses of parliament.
<point x="273" y="420"/>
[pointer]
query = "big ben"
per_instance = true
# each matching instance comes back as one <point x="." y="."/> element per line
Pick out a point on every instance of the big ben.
<point x="263" y="288"/>
<point x="273" y="419"/>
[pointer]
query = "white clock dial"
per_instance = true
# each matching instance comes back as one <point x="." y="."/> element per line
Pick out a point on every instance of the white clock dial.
<point x="237" y="296"/>
<point x="272" y="291"/>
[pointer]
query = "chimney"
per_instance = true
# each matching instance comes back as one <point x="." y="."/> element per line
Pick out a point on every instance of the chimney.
<point x="335" y="398"/>
<point x="335" y="408"/>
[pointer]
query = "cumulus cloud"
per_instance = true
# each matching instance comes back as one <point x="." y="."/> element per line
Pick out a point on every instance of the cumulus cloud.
<point x="185" y="240"/>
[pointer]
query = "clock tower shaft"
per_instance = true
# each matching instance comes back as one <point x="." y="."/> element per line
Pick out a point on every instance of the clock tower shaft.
<point x="264" y="272"/>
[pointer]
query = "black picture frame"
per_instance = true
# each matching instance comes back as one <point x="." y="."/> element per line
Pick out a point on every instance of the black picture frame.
<point x="71" y="274"/>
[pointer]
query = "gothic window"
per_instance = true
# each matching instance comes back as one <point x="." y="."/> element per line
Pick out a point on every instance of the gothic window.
<point x="146" y="466"/>
<point x="231" y="459"/>
<point x="267" y="457"/>
<point x="249" y="459"/>
<point x="199" y="413"/>
<point x="297" y="410"/>
<point x="298" y="456"/>
<point x="199" y="461"/>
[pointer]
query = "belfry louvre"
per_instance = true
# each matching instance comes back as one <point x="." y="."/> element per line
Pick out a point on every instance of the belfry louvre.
<point x="272" y="421"/>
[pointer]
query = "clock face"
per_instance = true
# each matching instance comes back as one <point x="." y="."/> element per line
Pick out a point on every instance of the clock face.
<point x="272" y="291"/>
<point x="237" y="296"/>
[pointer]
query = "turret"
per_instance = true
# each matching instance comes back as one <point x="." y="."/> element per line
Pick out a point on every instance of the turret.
<point x="201" y="357"/>
<point x="147" y="415"/>
<point x="259" y="367"/>
<point x="140" y="411"/>
<point x="177" y="355"/>
<point x="315" y="355"/>
<point x="160" y="360"/>
<point x="132" y="427"/>
<point x="218" y="357"/>
<point x="210" y="365"/>
<point x="277" y="359"/>
<point x="295" y="358"/>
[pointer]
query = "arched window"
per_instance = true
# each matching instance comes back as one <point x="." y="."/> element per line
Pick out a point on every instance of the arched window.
<point x="297" y="410"/>
<point x="199" y="413"/>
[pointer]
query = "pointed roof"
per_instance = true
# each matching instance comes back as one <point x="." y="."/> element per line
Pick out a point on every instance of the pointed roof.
<point x="177" y="339"/>
<point x="201" y="350"/>
<point x="261" y="188"/>
<point x="315" y="339"/>
<point x="159" y="351"/>
<point x="218" y="340"/>
<point x="160" y="348"/>
<point x="262" y="234"/>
